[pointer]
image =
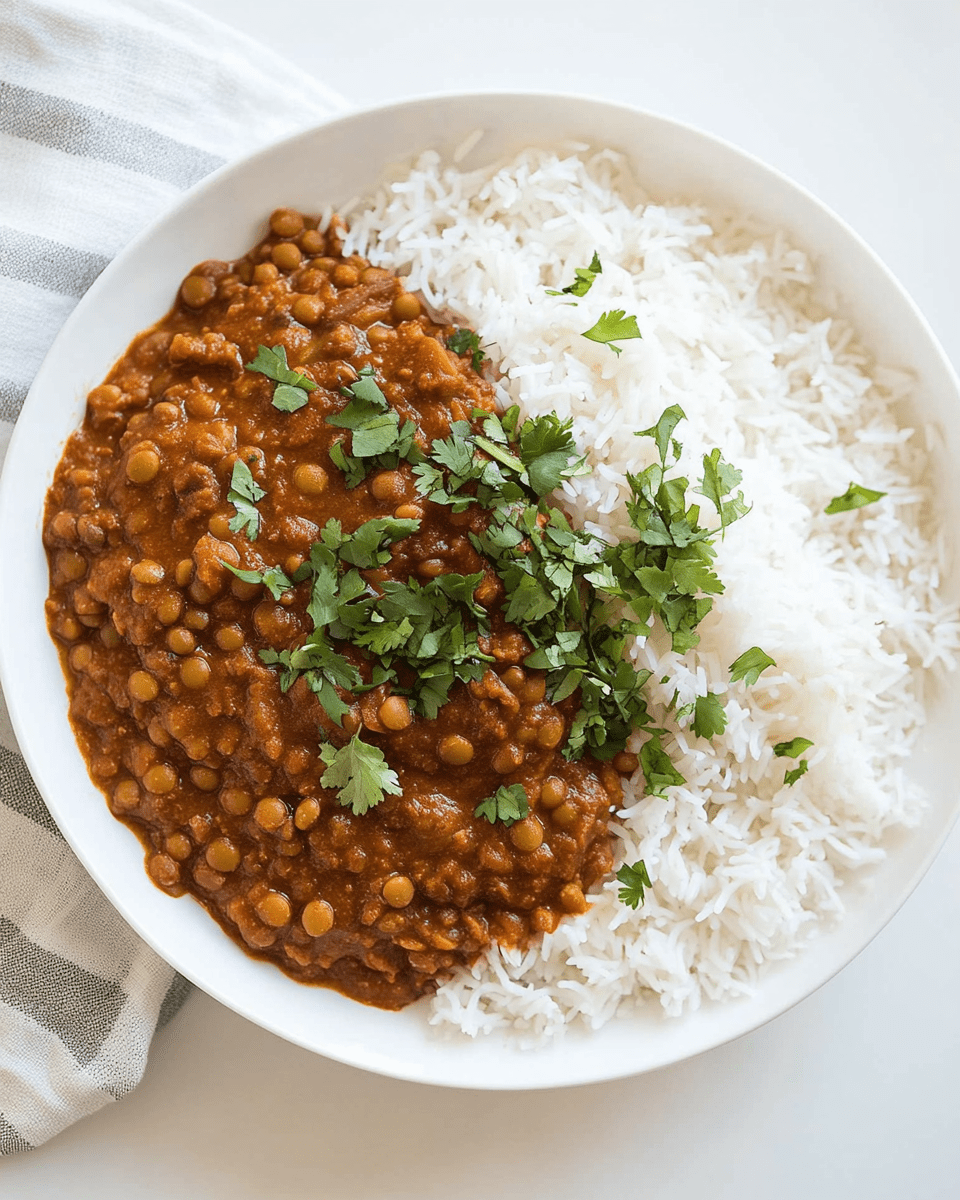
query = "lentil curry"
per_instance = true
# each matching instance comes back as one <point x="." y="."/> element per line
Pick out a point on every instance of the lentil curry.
<point x="189" y="525"/>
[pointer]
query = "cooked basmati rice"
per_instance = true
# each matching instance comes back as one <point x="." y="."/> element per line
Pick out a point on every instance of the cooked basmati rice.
<point x="745" y="868"/>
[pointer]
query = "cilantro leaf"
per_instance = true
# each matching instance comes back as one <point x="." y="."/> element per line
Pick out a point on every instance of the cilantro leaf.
<point x="709" y="717"/>
<point x="500" y="454"/>
<point x="292" y="389"/>
<point x="719" y="480"/>
<point x="326" y="692"/>
<point x="855" y="496"/>
<point x="375" y="426"/>
<point x="244" y="494"/>
<point x="662" y="432"/>
<point x="583" y="279"/>
<point x="749" y="665"/>
<point x="612" y="326"/>
<point x="792" y="749"/>
<point x="634" y="878"/>
<point x="365" y="546"/>
<point x="366" y="388"/>
<point x="465" y="341"/>
<point x="288" y="398"/>
<point x="272" y="578"/>
<point x="549" y="452"/>
<point x="791" y="777"/>
<point x="507" y="805"/>
<point x="323" y="669"/>
<point x="360" y="774"/>
<point x="658" y="769"/>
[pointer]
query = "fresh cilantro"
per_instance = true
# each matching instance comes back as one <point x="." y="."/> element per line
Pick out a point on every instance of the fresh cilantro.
<point x="662" y="432"/>
<point x="709" y="718"/>
<point x="583" y="279"/>
<point x="366" y="546"/>
<point x="378" y="440"/>
<point x="666" y="572"/>
<point x="507" y="805"/>
<point x="658" y="769"/>
<point x="324" y="670"/>
<point x="366" y="388"/>
<point x="360" y="774"/>
<point x="719" y="480"/>
<point x="613" y="326"/>
<point x="465" y="341"/>
<point x="635" y="879"/>
<point x="792" y="749"/>
<point x="577" y="600"/>
<point x="273" y="578"/>
<point x="855" y="496"/>
<point x="750" y="665"/>
<point x="292" y="387"/>
<point x="549" y="453"/>
<point x="504" y="457"/>
<point x="244" y="494"/>
<point x="791" y="777"/>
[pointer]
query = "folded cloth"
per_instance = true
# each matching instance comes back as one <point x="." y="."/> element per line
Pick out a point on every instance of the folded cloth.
<point x="108" y="111"/>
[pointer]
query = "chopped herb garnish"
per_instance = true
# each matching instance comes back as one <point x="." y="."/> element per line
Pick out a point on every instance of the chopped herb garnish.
<point x="854" y="497"/>
<point x="750" y="665"/>
<point x="378" y="440"/>
<point x="792" y="749"/>
<point x="272" y="578"/>
<point x="719" y="480"/>
<point x="658" y="769"/>
<point x="612" y="327"/>
<point x="324" y="670"/>
<point x="583" y="280"/>
<point x="635" y="879"/>
<point x="360" y="774"/>
<point x="292" y="387"/>
<point x="709" y="717"/>
<point x="244" y="494"/>
<point x="366" y="388"/>
<point x="577" y="600"/>
<point x="465" y="341"/>
<point x="507" y="805"/>
<point x="791" y="777"/>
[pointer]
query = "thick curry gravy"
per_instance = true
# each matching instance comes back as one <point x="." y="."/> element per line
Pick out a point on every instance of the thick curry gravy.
<point x="187" y="731"/>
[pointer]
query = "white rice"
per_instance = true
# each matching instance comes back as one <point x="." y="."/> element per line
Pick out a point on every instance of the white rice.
<point x="744" y="868"/>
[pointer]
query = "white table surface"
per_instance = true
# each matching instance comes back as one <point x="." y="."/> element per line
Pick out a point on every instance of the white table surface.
<point x="857" y="1091"/>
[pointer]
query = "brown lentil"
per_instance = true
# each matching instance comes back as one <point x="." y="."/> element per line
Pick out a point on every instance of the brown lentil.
<point x="143" y="466"/>
<point x="455" y="750"/>
<point x="527" y="835"/>
<point x="143" y="687"/>
<point x="311" y="479"/>
<point x="197" y="291"/>
<point x="394" y="713"/>
<point x="273" y="909"/>
<point x="222" y="855"/>
<point x="317" y="918"/>
<point x="194" y="672"/>
<point x="270" y="814"/>
<point x="229" y="637"/>
<point x="398" y="891"/>
<point x="181" y="641"/>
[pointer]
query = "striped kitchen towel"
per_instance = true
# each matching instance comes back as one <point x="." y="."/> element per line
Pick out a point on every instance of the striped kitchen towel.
<point x="108" y="112"/>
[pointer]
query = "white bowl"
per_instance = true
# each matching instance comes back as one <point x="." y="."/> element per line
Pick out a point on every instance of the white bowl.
<point x="221" y="218"/>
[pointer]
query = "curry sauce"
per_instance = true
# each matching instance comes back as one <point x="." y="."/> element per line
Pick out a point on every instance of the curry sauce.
<point x="190" y="733"/>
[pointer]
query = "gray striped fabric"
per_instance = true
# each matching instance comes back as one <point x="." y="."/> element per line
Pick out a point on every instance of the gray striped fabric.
<point x="96" y="138"/>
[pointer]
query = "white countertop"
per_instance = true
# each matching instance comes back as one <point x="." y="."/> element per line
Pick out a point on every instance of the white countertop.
<point x="856" y="1092"/>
